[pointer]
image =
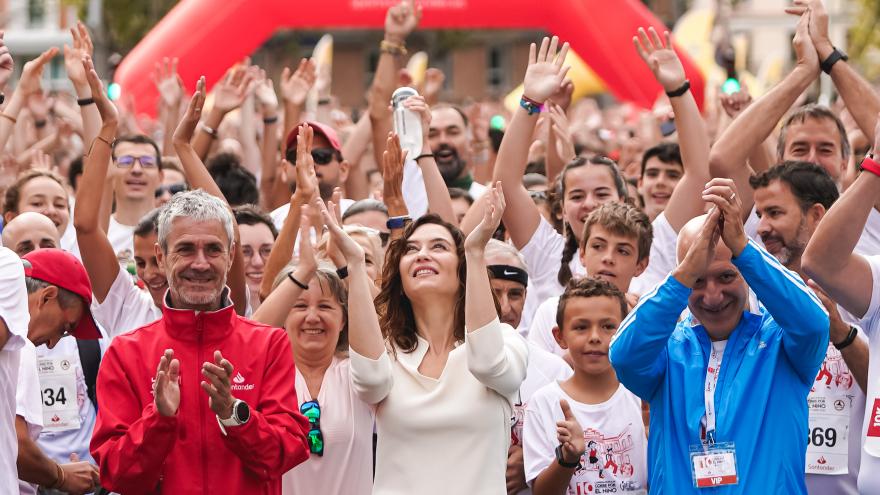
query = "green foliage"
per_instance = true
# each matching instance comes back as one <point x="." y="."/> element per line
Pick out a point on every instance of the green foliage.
<point x="128" y="21"/>
<point x="864" y="38"/>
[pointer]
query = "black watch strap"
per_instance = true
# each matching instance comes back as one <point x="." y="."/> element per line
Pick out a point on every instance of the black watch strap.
<point x="681" y="89"/>
<point x="850" y="338"/>
<point x="832" y="59"/>
<point x="561" y="460"/>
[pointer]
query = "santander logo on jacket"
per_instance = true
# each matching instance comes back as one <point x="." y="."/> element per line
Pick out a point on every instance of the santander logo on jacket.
<point x="140" y="451"/>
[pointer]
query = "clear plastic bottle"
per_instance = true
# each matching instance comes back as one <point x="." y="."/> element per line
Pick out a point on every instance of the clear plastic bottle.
<point x="407" y="123"/>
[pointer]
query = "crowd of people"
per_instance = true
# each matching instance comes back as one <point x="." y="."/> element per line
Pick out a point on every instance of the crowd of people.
<point x="252" y="294"/>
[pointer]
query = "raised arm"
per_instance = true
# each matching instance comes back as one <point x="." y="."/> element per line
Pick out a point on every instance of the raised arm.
<point x="170" y="89"/>
<point x="829" y="258"/>
<point x="306" y="192"/>
<point x="97" y="253"/>
<point x="787" y="298"/>
<point x="229" y="93"/>
<point x="356" y="185"/>
<point x="73" y="55"/>
<point x="544" y="75"/>
<point x="295" y="87"/>
<point x="27" y="83"/>
<point x="199" y="178"/>
<point x="497" y="355"/>
<point x="638" y="349"/>
<point x="748" y="131"/>
<point x="392" y="180"/>
<point x="685" y="202"/>
<point x="268" y="102"/>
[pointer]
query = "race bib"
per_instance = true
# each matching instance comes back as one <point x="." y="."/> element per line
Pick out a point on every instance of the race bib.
<point x="713" y="465"/>
<point x="830" y="406"/>
<point x="58" y="390"/>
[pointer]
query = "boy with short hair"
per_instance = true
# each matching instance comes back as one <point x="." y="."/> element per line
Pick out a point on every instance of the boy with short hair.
<point x="610" y="455"/>
<point x="617" y="242"/>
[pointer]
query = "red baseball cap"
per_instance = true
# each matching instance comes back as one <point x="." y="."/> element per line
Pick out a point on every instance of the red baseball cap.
<point x="319" y="128"/>
<point x="61" y="268"/>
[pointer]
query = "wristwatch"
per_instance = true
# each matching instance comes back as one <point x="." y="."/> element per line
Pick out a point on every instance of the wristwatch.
<point x="241" y="413"/>
<point x="832" y="59"/>
<point x="563" y="463"/>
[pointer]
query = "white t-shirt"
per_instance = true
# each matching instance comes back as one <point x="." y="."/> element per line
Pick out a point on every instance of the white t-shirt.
<point x="615" y="460"/>
<point x="476" y="190"/>
<point x="541" y="329"/>
<point x="347" y="428"/>
<point x="14" y="313"/>
<point x="121" y="237"/>
<point x="280" y="214"/>
<point x="28" y="403"/>
<point x="125" y="308"/>
<point x="869" y="472"/>
<point x="543" y="255"/>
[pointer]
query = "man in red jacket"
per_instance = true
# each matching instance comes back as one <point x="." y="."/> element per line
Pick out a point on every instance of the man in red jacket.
<point x="198" y="424"/>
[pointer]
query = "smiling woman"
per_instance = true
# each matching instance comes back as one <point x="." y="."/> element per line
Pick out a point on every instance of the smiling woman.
<point x="40" y="191"/>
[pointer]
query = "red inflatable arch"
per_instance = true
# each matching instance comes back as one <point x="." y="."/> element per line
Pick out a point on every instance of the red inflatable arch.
<point x="208" y="36"/>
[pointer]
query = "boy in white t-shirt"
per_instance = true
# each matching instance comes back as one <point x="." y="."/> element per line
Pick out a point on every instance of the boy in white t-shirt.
<point x="586" y="433"/>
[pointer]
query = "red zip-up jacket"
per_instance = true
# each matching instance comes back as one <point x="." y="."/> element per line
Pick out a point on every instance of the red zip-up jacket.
<point x="140" y="451"/>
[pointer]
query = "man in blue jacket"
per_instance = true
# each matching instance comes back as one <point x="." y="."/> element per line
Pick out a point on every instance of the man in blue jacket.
<point x="727" y="387"/>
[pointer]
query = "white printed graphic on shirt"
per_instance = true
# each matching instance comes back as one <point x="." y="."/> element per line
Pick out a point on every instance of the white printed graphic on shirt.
<point x="830" y="403"/>
<point x="606" y="466"/>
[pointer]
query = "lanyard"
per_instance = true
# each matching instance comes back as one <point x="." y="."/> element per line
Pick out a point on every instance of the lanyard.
<point x="711" y="384"/>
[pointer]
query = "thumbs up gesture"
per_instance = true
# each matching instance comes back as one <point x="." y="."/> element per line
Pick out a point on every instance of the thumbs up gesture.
<point x="570" y="434"/>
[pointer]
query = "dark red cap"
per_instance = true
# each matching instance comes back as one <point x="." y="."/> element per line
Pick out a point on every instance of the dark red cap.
<point x="61" y="268"/>
<point x="319" y="128"/>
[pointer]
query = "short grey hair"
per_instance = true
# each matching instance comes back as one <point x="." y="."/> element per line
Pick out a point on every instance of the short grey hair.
<point x="198" y="205"/>
<point x="500" y="248"/>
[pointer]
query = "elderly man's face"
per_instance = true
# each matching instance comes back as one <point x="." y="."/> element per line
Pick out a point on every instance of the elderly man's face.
<point x="196" y="262"/>
<point x="29" y="232"/>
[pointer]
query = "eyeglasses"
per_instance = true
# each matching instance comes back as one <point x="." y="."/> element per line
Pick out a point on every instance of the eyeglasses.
<point x="264" y="251"/>
<point x="312" y="411"/>
<point x="321" y="156"/>
<point x="171" y="189"/>
<point x="146" y="161"/>
<point x="540" y="195"/>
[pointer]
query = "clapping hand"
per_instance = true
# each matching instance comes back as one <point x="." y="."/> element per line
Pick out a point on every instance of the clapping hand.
<point x="476" y="241"/>
<point x="166" y="389"/>
<point x="187" y="125"/>
<point x="721" y="192"/>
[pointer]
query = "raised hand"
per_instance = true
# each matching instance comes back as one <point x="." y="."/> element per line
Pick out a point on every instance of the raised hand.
<point x="392" y="171"/>
<point x="265" y="93"/>
<point x="166" y="389"/>
<point x="168" y="82"/>
<point x="434" y="79"/>
<point x="478" y="238"/>
<point x="107" y="110"/>
<point x="41" y="161"/>
<point x="29" y="82"/>
<point x="307" y="264"/>
<point x="701" y="252"/>
<point x="818" y="27"/>
<point x="306" y="178"/>
<point x="804" y="50"/>
<point x="217" y="385"/>
<point x="73" y="55"/>
<point x="418" y="105"/>
<point x="570" y="434"/>
<point x="546" y="72"/>
<point x="351" y="250"/>
<point x="735" y="103"/>
<point x="721" y="192"/>
<point x="563" y="95"/>
<point x="232" y="90"/>
<point x="559" y="126"/>
<point x="187" y="125"/>
<point x="6" y="65"/>
<point x="401" y="20"/>
<point x="295" y="86"/>
<point x="660" y="58"/>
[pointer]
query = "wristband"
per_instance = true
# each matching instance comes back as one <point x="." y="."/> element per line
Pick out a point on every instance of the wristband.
<point x="324" y="101"/>
<point x="835" y="56"/>
<point x="531" y="106"/>
<point x="681" y="89"/>
<point x="871" y="166"/>
<point x="59" y="479"/>
<point x="392" y="48"/>
<point x="2" y="98"/>
<point x="85" y="101"/>
<point x="425" y="155"/>
<point x="39" y="124"/>
<point x="853" y="331"/>
<point x="211" y="131"/>
<point x="270" y="120"/>
<point x="342" y="273"/>
<point x="397" y="222"/>
<point x="561" y="460"/>
<point x="297" y="282"/>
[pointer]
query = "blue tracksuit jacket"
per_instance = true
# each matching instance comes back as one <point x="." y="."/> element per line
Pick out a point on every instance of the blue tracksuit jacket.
<point x="768" y="368"/>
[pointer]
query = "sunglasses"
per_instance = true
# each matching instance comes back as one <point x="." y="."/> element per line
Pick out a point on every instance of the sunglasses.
<point x="146" y="161"/>
<point x="321" y="156"/>
<point x="171" y="189"/>
<point x="312" y="411"/>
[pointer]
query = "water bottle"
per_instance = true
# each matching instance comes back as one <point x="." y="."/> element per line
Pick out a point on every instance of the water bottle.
<point x="407" y="124"/>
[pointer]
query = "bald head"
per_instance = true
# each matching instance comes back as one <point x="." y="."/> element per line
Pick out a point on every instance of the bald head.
<point x="689" y="233"/>
<point x="30" y="231"/>
<point x="501" y="253"/>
